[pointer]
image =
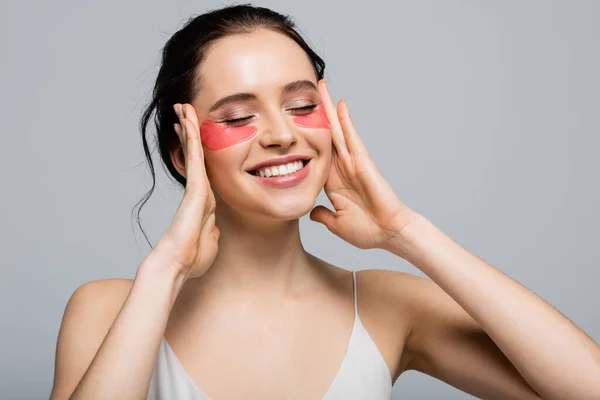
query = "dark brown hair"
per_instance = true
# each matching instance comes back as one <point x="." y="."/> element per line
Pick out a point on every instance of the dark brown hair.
<point x="177" y="77"/>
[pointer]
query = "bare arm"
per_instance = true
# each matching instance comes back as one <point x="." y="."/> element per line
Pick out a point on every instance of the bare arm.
<point x="555" y="358"/>
<point x="505" y="337"/>
<point x="92" y="363"/>
<point x="101" y="359"/>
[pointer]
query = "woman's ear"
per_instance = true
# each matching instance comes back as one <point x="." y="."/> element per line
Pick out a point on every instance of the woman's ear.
<point x="178" y="159"/>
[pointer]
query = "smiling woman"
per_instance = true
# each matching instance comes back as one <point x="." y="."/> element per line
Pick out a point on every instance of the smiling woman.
<point x="229" y="305"/>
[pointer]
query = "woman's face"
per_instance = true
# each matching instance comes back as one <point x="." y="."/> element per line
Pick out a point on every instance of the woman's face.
<point x="275" y="118"/>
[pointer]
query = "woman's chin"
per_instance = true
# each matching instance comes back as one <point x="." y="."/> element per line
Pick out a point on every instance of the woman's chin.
<point x="286" y="209"/>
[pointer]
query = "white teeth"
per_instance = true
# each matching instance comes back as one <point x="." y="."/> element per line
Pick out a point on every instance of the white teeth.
<point x="278" y="170"/>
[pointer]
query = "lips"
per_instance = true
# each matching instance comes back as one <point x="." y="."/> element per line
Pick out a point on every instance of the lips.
<point x="285" y="181"/>
<point x="278" y="161"/>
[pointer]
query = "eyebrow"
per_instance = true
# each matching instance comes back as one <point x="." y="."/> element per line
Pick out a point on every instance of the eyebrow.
<point x="290" y="87"/>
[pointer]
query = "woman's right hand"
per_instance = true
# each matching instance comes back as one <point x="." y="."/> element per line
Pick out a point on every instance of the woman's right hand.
<point x="191" y="242"/>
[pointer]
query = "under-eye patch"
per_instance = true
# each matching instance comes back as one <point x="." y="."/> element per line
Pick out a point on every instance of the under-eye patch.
<point x="317" y="119"/>
<point x="216" y="137"/>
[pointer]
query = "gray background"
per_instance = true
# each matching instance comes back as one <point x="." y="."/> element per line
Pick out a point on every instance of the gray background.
<point x="482" y="115"/>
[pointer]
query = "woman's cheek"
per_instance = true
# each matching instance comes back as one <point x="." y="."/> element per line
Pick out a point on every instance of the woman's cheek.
<point x="217" y="137"/>
<point x="317" y="119"/>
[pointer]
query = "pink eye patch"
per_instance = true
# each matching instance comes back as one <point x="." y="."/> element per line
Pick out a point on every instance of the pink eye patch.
<point x="317" y="119"/>
<point x="216" y="137"/>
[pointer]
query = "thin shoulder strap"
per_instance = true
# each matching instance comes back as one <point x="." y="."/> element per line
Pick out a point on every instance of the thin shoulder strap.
<point x="354" y="284"/>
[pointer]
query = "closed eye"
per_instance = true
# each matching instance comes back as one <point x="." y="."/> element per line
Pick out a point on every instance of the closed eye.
<point x="305" y="108"/>
<point x="235" y="121"/>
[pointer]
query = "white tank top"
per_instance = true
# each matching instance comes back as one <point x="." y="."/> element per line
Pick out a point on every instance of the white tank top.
<point x="363" y="374"/>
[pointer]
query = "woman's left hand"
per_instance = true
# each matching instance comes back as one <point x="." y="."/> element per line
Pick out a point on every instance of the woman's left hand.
<point x="368" y="214"/>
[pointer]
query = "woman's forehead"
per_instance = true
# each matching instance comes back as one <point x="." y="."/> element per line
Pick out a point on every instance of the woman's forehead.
<point x="253" y="62"/>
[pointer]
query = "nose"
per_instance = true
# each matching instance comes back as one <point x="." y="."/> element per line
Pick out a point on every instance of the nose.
<point x="277" y="131"/>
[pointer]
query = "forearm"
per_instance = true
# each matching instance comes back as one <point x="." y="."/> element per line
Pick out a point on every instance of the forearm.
<point x="553" y="355"/>
<point x="123" y="365"/>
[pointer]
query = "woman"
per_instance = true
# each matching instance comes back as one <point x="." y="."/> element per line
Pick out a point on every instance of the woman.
<point x="229" y="305"/>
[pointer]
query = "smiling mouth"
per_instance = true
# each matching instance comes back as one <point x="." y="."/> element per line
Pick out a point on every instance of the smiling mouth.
<point x="280" y="170"/>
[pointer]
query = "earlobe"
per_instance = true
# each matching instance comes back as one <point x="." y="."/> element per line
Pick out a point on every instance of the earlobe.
<point x="177" y="154"/>
<point x="178" y="160"/>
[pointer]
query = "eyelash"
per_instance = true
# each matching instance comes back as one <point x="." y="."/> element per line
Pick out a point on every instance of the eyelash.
<point x="238" y="120"/>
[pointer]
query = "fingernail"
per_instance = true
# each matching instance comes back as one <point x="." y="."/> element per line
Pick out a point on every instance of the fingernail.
<point x="183" y="111"/>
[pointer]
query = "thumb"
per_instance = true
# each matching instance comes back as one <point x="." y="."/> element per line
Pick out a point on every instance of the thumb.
<point x="324" y="216"/>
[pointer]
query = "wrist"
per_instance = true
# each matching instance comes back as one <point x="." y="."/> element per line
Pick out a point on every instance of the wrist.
<point x="160" y="270"/>
<point x="404" y="240"/>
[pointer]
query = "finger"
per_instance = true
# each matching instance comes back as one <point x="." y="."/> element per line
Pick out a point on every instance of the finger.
<point x="352" y="139"/>
<point x="195" y="170"/>
<point x="181" y="132"/>
<point x="324" y="216"/>
<point x="189" y="112"/>
<point x="337" y="134"/>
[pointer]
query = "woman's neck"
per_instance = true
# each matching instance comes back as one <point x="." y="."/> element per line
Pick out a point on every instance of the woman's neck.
<point x="259" y="256"/>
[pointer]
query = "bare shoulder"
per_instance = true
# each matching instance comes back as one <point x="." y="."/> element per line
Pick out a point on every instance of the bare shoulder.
<point x="415" y="303"/>
<point x="388" y="310"/>
<point x="392" y="291"/>
<point x="88" y="316"/>
<point x="386" y="279"/>
<point x="96" y="302"/>
<point x="419" y="298"/>
<point x="101" y="291"/>
<point x="400" y="294"/>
